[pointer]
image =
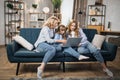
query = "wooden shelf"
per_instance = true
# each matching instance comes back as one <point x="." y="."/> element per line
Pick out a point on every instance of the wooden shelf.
<point x="16" y="21"/>
<point x="95" y="25"/>
<point x="98" y="28"/>
<point x="38" y="18"/>
<point x="11" y="13"/>
<point x="16" y="2"/>
<point x="96" y="15"/>
<point x="116" y="33"/>
<point x="96" y="5"/>
<point x="14" y="18"/>
<point x="98" y="12"/>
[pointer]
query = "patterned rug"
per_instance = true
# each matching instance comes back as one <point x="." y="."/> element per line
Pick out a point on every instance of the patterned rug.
<point x="94" y="78"/>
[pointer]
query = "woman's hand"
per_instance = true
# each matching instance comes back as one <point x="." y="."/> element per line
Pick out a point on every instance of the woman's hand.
<point x="79" y="44"/>
<point x="62" y="41"/>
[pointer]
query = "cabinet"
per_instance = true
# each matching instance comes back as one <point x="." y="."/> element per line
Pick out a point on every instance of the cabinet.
<point x="96" y="17"/>
<point x="36" y="19"/>
<point x="14" y="18"/>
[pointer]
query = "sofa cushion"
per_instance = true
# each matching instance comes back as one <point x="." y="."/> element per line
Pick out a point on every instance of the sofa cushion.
<point x="22" y="52"/>
<point x="23" y="42"/>
<point x="30" y="34"/>
<point x="98" y="40"/>
<point x="90" y="33"/>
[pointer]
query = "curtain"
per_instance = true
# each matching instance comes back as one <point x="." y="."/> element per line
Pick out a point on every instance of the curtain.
<point x="79" y="12"/>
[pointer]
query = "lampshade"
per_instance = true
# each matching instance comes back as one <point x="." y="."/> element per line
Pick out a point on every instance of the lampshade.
<point x="46" y="10"/>
<point x="80" y="12"/>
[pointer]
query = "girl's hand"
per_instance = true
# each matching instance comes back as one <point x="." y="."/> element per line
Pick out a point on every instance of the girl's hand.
<point x="64" y="41"/>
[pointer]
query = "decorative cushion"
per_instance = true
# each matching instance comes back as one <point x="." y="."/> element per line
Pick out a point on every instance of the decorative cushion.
<point x="98" y="40"/>
<point x="23" y="42"/>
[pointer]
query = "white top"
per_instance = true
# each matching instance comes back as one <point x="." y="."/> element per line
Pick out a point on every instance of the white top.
<point x="82" y="35"/>
<point x="46" y="34"/>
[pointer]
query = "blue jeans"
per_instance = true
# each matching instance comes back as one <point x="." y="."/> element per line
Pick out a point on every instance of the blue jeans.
<point x="48" y="49"/>
<point x="72" y="52"/>
<point x="68" y="50"/>
<point x="88" y="48"/>
<point x="57" y="46"/>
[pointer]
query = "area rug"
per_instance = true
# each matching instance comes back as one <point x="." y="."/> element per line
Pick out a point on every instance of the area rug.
<point x="54" y="78"/>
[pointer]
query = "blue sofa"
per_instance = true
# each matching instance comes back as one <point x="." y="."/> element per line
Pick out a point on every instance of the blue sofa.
<point x="17" y="54"/>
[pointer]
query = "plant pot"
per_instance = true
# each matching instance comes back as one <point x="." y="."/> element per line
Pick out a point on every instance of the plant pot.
<point x="93" y="23"/>
<point x="108" y="29"/>
<point x="56" y="10"/>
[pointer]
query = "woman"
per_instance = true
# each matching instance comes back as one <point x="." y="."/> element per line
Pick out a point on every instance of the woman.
<point x="61" y="35"/>
<point x="85" y="46"/>
<point x="45" y="42"/>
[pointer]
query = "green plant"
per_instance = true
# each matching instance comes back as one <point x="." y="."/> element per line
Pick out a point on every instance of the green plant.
<point x="97" y="9"/>
<point x="56" y="3"/>
<point x="9" y="5"/>
<point x="34" y="6"/>
<point x="93" y="19"/>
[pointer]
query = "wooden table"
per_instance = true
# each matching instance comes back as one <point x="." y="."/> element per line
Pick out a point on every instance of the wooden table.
<point x="116" y="33"/>
<point x="114" y="40"/>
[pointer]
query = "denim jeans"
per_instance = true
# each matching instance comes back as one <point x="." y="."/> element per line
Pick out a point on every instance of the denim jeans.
<point x="72" y="52"/>
<point x="68" y="50"/>
<point x="48" y="49"/>
<point x="88" y="48"/>
<point x="57" y="46"/>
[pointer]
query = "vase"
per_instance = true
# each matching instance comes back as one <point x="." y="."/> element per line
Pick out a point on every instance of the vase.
<point x="108" y="29"/>
<point x="93" y="23"/>
<point x="56" y="10"/>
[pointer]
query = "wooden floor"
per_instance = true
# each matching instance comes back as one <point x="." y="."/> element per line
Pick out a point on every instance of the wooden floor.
<point x="27" y="70"/>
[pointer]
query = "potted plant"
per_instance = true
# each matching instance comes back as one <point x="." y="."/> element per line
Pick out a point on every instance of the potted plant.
<point x="94" y="20"/>
<point x="10" y="6"/>
<point x="34" y="6"/>
<point x="56" y="5"/>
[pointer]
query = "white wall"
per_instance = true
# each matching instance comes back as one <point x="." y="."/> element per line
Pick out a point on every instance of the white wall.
<point x="2" y="40"/>
<point x="66" y="11"/>
<point x="113" y="14"/>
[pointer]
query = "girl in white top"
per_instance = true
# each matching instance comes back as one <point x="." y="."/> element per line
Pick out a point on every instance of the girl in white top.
<point x="85" y="47"/>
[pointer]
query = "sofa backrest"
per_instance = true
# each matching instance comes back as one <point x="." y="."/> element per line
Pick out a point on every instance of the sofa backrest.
<point x="90" y="33"/>
<point x="31" y="34"/>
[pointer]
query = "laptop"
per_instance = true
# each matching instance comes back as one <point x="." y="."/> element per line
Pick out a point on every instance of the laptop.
<point x="72" y="42"/>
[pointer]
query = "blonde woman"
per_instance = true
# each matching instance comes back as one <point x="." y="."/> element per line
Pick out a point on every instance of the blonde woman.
<point x="44" y="42"/>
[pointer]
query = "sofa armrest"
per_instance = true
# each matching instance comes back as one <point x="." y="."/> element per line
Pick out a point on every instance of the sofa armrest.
<point x="11" y="49"/>
<point x="111" y="48"/>
<point x="15" y="46"/>
<point x="10" y="52"/>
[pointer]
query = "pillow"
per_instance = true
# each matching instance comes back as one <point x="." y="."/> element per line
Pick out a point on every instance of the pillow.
<point x="98" y="40"/>
<point x="23" y="42"/>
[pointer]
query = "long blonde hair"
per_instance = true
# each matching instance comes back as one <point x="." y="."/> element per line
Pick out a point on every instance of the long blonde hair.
<point x="50" y="21"/>
<point x="76" y="28"/>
